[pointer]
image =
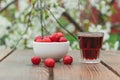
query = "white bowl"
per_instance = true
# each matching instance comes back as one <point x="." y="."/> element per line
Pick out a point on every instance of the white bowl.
<point x="55" y="50"/>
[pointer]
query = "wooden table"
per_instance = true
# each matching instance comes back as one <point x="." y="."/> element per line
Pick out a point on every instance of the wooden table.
<point x="18" y="66"/>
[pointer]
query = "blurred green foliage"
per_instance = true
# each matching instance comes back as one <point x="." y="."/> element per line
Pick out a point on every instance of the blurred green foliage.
<point x="113" y="38"/>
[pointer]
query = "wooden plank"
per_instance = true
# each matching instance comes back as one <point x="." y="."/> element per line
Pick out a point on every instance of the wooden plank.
<point x="18" y="66"/>
<point x="80" y="71"/>
<point x="112" y="60"/>
<point x="3" y="52"/>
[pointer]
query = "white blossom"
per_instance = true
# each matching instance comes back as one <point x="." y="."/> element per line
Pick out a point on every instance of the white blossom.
<point x="108" y="26"/>
<point x="106" y="46"/>
<point x="22" y="5"/>
<point x="116" y="45"/>
<point x="70" y="27"/>
<point x="94" y="2"/>
<point x="4" y="23"/>
<point x="73" y="7"/>
<point x="71" y="4"/>
<point x="75" y="45"/>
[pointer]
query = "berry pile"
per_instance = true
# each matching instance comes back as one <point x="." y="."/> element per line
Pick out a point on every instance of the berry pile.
<point x="55" y="37"/>
<point x="49" y="62"/>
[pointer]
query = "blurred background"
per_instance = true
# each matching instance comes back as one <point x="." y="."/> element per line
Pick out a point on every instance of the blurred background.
<point x="22" y="20"/>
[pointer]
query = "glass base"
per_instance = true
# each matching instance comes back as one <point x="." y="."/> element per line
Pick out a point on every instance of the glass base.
<point x="90" y="61"/>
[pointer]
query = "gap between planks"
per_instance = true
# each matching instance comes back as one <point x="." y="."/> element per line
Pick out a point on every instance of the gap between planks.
<point x="51" y="74"/>
<point x="110" y="68"/>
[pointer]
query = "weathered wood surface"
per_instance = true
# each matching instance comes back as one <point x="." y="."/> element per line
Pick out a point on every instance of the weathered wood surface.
<point x="80" y="71"/>
<point x="112" y="59"/>
<point x="18" y="66"/>
<point x="3" y="52"/>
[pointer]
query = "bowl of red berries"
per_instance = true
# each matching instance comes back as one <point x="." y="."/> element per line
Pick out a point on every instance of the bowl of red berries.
<point x="51" y="46"/>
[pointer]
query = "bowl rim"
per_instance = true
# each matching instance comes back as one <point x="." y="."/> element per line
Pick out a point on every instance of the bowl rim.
<point x="50" y="42"/>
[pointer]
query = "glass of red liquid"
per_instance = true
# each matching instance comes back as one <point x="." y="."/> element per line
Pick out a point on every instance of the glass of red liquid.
<point x="90" y="44"/>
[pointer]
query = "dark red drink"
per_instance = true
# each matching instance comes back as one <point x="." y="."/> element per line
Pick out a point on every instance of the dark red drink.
<point x="90" y="45"/>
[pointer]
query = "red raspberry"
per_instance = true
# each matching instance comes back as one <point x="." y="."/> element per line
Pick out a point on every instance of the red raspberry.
<point x="37" y="37"/>
<point x="49" y="62"/>
<point x="60" y="34"/>
<point x="67" y="59"/>
<point x="54" y="37"/>
<point x="46" y="39"/>
<point x="39" y="40"/>
<point x="36" y="60"/>
<point x="62" y="39"/>
<point x="47" y="36"/>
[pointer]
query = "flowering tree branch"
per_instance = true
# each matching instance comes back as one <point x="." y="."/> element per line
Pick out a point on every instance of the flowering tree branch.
<point x="70" y="19"/>
<point x="10" y="52"/>
<point x="21" y="37"/>
<point x="1" y="10"/>
<point x="61" y="24"/>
